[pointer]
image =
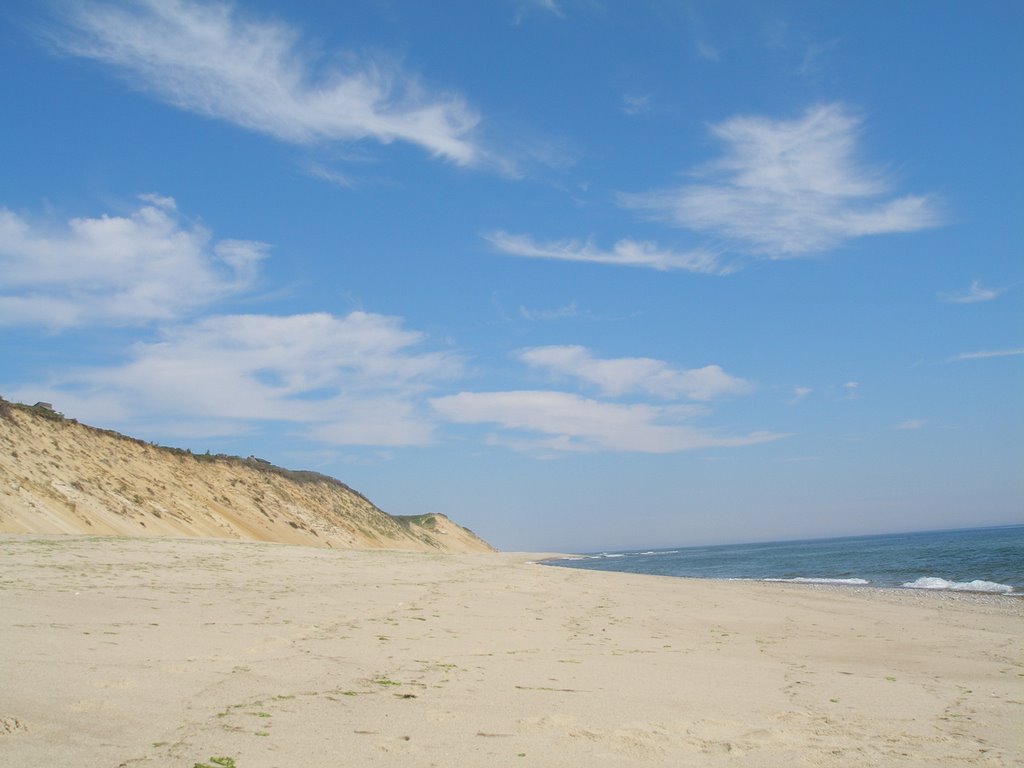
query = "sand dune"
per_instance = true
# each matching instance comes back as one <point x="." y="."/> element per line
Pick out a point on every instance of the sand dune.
<point x="59" y="476"/>
<point x="169" y="653"/>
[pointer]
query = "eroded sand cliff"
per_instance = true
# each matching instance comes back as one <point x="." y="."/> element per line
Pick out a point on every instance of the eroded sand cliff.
<point x="59" y="476"/>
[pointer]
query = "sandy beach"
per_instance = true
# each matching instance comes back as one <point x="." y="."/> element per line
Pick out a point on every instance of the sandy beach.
<point x="173" y="652"/>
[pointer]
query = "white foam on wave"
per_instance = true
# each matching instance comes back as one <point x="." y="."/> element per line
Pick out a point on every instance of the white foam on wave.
<point x="604" y="555"/>
<point x="933" y="582"/>
<point x="810" y="580"/>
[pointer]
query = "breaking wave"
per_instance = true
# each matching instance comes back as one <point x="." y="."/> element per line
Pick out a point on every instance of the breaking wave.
<point x="933" y="582"/>
<point x="813" y="580"/>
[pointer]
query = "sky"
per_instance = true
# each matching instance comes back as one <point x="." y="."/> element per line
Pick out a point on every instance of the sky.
<point x="580" y="274"/>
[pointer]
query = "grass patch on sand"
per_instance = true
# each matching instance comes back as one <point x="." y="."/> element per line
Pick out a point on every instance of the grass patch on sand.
<point x="217" y="762"/>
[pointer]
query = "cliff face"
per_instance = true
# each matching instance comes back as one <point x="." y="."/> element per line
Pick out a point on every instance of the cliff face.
<point x="59" y="476"/>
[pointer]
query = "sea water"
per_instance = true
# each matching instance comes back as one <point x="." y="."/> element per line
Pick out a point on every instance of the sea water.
<point x="969" y="560"/>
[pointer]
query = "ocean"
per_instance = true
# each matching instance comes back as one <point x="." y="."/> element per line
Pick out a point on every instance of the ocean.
<point x="970" y="560"/>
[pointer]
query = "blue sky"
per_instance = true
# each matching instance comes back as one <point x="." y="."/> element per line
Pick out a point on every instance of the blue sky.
<point x="580" y="274"/>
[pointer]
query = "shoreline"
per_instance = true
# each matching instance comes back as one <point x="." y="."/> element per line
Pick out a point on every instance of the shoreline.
<point x="981" y="560"/>
<point x="825" y="585"/>
<point x="167" y="652"/>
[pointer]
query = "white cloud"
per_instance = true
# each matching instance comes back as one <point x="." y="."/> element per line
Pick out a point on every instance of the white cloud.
<point x="356" y="379"/>
<point x="630" y="253"/>
<point x="147" y="266"/>
<point x="322" y="172"/>
<point x="799" y="393"/>
<point x="626" y="375"/>
<point x="217" y="61"/>
<point x="786" y="188"/>
<point x="636" y="104"/>
<point x="852" y="390"/>
<point x="569" y="310"/>
<point x="550" y="421"/>
<point x="707" y="52"/>
<point x="568" y="422"/>
<point x="976" y="293"/>
<point x="550" y="6"/>
<point x="912" y="424"/>
<point x="984" y="354"/>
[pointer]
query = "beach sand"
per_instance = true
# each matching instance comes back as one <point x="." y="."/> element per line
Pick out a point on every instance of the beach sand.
<point x="159" y="652"/>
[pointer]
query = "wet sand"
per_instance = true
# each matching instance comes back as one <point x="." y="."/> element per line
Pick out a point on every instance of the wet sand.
<point x="158" y="652"/>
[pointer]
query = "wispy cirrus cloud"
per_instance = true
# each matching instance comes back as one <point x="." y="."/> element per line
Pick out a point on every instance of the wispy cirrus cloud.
<point x="985" y="354"/>
<point x="977" y="292"/>
<point x="352" y="380"/>
<point x="782" y="189"/>
<point x="150" y="265"/>
<point x="629" y="253"/>
<point x="570" y="310"/>
<point x="216" y="60"/>
<point x="550" y="6"/>
<point x="629" y="375"/>
<point x="331" y="176"/>
<point x="561" y="421"/>
<point x="788" y="188"/>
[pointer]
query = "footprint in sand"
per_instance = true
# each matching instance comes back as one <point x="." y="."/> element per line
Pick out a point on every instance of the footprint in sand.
<point x="10" y="726"/>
